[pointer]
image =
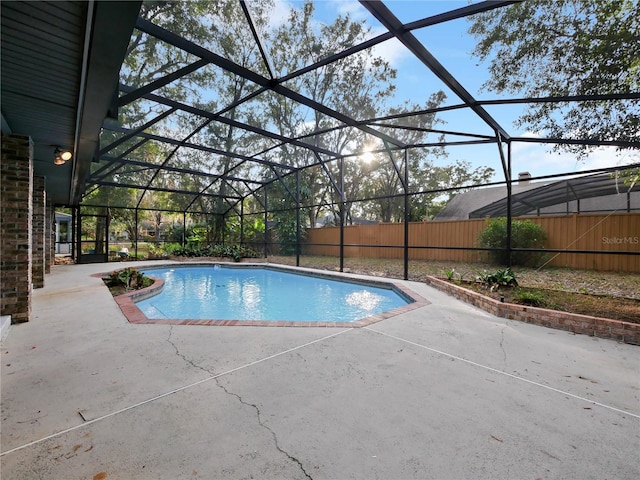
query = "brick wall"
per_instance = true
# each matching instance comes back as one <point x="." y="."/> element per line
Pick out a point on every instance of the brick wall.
<point x="49" y="238"/>
<point x="38" y="229"/>
<point x="583" y="324"/>
<point x="16" y="182"/>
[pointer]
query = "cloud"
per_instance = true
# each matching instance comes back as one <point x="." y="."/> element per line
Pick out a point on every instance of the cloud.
<point x="539" y="159"/>
<point x="392" y="51"/>
<point x="280" y="13"/>
<point x="349" y="7"/>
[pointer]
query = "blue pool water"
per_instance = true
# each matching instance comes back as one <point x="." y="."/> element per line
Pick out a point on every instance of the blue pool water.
<point x="223" y="293"/>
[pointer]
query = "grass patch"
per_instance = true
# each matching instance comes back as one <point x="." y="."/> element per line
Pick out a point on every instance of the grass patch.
<point x="533" y="298"/>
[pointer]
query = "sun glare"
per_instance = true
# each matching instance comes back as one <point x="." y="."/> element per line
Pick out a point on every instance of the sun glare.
<point x="366" y="155"/>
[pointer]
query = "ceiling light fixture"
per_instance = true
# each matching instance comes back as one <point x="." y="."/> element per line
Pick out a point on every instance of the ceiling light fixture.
<point x="60" y="157"/>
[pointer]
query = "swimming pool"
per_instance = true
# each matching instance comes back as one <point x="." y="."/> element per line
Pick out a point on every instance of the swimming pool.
<point x="264" y="294"/>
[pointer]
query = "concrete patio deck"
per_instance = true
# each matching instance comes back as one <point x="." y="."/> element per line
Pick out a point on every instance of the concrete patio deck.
<point x="444" y="391"/>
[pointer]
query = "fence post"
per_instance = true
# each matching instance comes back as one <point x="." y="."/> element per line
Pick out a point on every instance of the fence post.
<point x="506" y="166"/>
<point x="406" y="215"/>
<point x="266" y="219"/>
<point x="242" y="222"/>
<point x="342" y="202"/>
<point x="184" y="229"/>
<point x="75" y="228"/>
<point x="136" y="245"/>
<point x="297" y="218"/>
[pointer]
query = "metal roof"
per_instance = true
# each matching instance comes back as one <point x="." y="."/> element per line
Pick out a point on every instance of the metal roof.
<point x="462" y="204"/>
<point x="589" y="186"/>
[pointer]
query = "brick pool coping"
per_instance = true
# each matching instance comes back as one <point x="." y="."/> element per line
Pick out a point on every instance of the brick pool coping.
<point x="625" y="332"/>
<point x="127" y="301"/>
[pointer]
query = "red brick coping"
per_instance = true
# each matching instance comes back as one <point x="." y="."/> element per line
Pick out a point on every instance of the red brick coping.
<point x="127" y="302"/>
<point x="625" y="332"/>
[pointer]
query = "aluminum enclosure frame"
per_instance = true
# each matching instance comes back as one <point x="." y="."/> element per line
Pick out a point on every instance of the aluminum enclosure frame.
<point x="242" y="188"/>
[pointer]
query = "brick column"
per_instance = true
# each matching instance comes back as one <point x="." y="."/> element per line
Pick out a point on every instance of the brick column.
<point x="38" y="228"/>
<point x="50" y="237"/>
<point x="16" y="182"/>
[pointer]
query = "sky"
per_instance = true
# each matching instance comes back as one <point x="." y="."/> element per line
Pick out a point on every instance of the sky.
<point x="452" y="46"/>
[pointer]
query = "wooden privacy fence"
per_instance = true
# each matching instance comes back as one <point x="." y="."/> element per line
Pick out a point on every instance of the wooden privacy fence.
<point x="448" y="240"/>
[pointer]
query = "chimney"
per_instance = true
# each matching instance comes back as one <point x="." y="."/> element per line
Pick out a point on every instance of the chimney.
<point x="524" y="178"/>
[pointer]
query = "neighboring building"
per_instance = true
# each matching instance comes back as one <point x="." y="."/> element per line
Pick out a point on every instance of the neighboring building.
<point x="598" y="193"/>
<point x="63" y="233"/>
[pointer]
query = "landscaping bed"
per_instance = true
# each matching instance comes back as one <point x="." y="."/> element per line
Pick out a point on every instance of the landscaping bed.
<point x="605" y="306"/>
<point x="126" y="280"/>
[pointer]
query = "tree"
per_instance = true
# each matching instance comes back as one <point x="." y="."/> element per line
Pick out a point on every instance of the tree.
<point x="540" y="48"/>
<point x="355" y="86"/>
<point x="221" y="27"/>
<point x="233" y="42"/>
<point x="385" y="183"/>
<point x="148" y="58"/>
<point x="282" y="205"/>
<point x="438" y="178"/>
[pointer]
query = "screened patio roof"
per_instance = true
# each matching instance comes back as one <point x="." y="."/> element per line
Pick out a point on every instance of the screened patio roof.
<point x="588" y="186"/>
<point x="169" y="146"/>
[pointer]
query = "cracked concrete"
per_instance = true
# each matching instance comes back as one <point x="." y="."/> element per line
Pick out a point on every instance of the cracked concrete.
<point x="273" y="434"/>
<point x="183" y="357"/>
<point x="502" y="345"/>
<point x="445" y="391"/>
<point x="252" y="405"/>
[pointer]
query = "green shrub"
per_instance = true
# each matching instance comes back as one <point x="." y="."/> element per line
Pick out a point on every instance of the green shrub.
<point x="524" y="234"/>
<point x="170" y="248"/>
<point x="497" y="279"/>
<point x="449" y="272"/>
<point x="156" y="251"/>
<point x="533" y="298"/>
<point x="197" y="238"/>
<point x="130" y="278"/>
<point x="235" y="252"/>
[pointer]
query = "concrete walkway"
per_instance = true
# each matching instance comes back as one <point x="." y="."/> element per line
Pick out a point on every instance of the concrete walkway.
<point x="445" y="391"/>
